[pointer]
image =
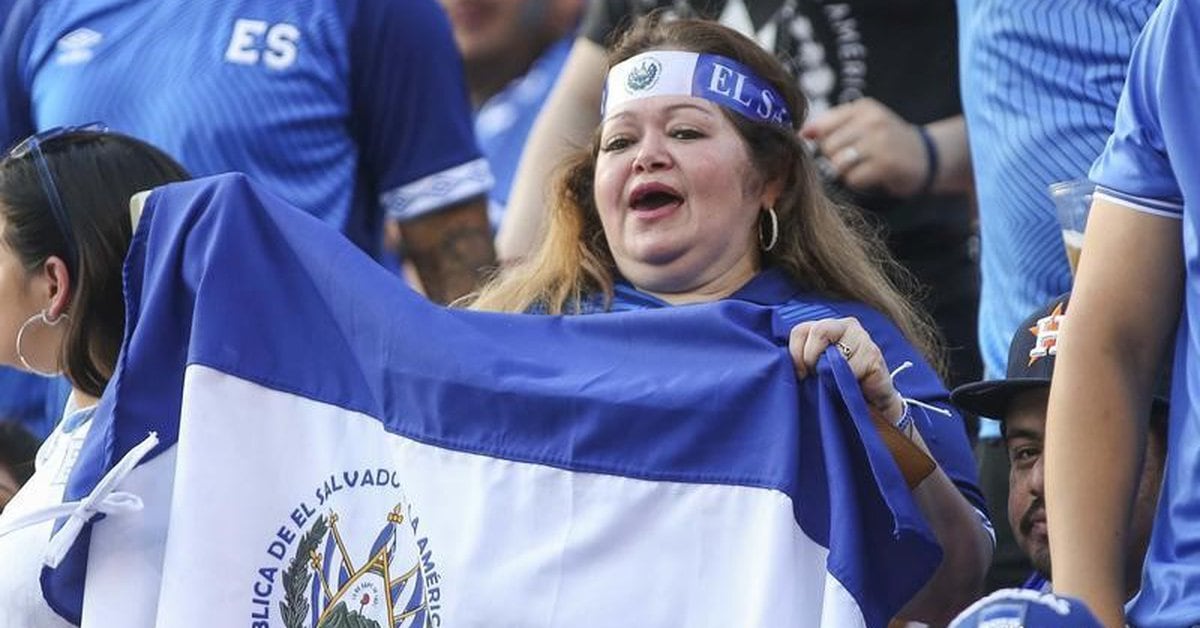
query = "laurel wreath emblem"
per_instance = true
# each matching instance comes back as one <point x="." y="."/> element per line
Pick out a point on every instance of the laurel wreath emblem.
<point x="294" y="607"/>
<point x="644" y="76"/>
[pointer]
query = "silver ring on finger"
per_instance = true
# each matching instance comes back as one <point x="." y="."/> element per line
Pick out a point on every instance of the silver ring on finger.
<point x="850" y="156"/>
<point x="845" y="349"/>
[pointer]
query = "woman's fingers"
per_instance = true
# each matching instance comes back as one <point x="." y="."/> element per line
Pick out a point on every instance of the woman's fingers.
<point x="809" y="340"/>
<point x="796" y="340"/>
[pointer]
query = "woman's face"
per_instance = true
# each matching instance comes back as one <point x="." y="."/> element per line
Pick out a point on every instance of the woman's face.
<point x="679" y="198"/>
<point x="18" y="290"/>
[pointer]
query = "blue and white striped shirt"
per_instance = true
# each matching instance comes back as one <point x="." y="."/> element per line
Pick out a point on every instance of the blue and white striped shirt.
<point x="1040" y="83"/>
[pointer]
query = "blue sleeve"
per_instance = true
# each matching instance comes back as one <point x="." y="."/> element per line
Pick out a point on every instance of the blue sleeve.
<point x="411" y="113"/>
<point x="24" y="398"/>
<point x="1134" y="168"/>
<point x="16" y="122"/>
<point x="946" y="436"/>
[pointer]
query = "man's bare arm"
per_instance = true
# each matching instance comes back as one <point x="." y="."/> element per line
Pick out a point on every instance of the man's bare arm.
<point x="1123" y="314"/>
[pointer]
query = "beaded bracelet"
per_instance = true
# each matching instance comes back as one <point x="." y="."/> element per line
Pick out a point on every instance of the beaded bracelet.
<point x="905" y="422"/>
<point x="931" y="159"/>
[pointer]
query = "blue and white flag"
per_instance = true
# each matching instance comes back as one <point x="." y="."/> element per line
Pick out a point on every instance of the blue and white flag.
<point x="333" y="450"/>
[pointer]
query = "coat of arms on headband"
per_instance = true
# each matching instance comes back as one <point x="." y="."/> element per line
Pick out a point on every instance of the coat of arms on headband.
<point x="644" y="76"/>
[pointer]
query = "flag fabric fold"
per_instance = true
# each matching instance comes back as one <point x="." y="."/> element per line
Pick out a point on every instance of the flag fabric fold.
<point x="336" y="451"/>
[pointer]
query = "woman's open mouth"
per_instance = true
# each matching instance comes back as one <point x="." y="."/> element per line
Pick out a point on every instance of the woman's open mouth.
<point x="654" y="198"/>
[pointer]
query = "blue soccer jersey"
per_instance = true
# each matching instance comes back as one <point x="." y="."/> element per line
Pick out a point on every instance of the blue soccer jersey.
<point x="1040" y="83"/>
<point x="504" y="121"/>
<point x="346" y="108"/>
<point x="1152" y="164"/>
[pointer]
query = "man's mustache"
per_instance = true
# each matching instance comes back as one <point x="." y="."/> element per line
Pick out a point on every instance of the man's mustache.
<point x="1036" y="509"/>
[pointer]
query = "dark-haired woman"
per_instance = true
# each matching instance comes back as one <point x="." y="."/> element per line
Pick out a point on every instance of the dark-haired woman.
<point x="65" y="228"/>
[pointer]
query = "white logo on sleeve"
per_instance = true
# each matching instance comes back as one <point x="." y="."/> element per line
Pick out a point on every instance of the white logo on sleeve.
<point x="255" y="41"/>
<point x="77" y="46"/>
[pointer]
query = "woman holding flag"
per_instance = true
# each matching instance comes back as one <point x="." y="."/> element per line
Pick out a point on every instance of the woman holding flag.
<point x="696" y="189"/>
<point x="65" y="228"/>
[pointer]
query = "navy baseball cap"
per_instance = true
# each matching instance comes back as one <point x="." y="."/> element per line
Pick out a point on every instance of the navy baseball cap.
<point x="1031" y="357"/>
<point x="1026" y="608"/>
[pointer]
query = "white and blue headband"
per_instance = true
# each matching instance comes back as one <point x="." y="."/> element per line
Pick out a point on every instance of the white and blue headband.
<point x="718" y="79"/>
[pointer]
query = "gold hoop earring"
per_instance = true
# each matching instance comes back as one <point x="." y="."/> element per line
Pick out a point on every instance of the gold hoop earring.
<point x="768" y="243"/>
<point x="45" y="320"/>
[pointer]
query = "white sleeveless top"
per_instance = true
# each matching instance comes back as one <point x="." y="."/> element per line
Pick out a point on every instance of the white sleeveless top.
<point x="22" y="551"/>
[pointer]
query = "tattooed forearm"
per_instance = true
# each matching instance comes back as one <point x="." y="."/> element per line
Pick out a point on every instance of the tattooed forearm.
<point x="451" y="249"/>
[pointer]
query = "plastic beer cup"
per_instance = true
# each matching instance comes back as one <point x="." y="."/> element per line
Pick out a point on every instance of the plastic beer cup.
<point x="1072" y="200"/>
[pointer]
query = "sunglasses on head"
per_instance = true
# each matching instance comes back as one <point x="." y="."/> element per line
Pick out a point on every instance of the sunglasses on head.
<point x="32" y="147"/>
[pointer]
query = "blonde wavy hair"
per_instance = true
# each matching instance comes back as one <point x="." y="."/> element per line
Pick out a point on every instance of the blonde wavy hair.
<point x="825" y="247"/>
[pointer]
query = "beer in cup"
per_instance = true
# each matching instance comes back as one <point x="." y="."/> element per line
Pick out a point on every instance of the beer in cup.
<point x="1072" y="200"/>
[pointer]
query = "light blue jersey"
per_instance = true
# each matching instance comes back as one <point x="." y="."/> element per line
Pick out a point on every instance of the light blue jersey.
<point x="345" y="108"/>
<point x="1040" y="83"/>
<point x="503" y="122"/>
<point x="1152" y="164"/>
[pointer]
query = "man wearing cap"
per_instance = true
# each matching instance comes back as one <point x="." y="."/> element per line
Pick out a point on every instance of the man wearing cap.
<point x="1019" y="401"/>
<point x="1023" y="608"/>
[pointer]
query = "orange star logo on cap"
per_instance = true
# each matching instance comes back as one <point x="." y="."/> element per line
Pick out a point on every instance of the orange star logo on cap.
<point x="1046" y="335"/>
